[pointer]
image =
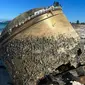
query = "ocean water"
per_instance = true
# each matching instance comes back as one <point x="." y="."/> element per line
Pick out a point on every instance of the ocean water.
<point x="2" y="26"/>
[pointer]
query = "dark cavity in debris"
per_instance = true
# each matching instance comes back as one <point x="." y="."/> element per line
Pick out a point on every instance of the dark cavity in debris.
<point x="65" y="67"/>
<point x="79" y="52"/>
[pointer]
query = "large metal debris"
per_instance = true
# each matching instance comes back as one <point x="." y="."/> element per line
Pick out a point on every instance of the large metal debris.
<point x="38" y="42"/>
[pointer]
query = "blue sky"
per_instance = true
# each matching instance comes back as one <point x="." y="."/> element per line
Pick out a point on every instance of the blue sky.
<point x="73" y="9"/>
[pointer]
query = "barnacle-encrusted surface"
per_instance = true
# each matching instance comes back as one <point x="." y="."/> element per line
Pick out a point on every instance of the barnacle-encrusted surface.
<point x="37" y="57"/>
